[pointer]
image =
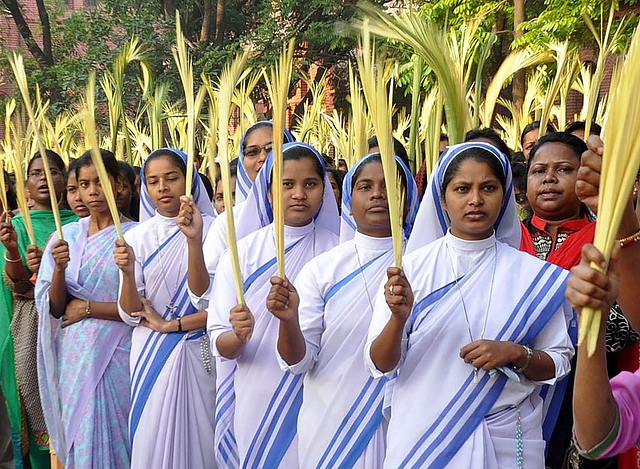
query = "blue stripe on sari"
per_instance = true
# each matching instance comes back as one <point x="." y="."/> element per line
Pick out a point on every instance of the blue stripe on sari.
<point x="496" y="389"/>
<point x="155" y="253"/>
<point x="262" y="269"/>
<point x="356" y="428"/>
<point x="427" y="301"/>
<point x="338" y="286"/>
<point x="261" y="436"/>
<point x="289" y="430"/>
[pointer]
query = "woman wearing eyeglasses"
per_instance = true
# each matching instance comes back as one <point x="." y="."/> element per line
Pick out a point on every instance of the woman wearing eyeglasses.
<point x="19" y="262"/>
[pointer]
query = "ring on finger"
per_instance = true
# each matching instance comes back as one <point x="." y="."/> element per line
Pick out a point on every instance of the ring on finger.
<point x="391" y="289"/>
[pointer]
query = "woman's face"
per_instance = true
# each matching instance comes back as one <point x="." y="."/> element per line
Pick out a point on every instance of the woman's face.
<point x="165" y="184"/>
<point x="73" y="196"/>
<point x="123" y="197"/>
<point x="218" y="196"/>
<point x="369" y="204"/>
<point x="473" y="200"/>
<point x="302" y="191"/>
<point x="257" y="146"/>
<point x="334" y="187"/>
<point x="37" y="184"/>
<point x="91" y="191"/>
<point x="551" y="182"/>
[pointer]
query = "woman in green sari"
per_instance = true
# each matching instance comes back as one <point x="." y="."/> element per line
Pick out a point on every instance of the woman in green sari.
<point x="19" y="262"/>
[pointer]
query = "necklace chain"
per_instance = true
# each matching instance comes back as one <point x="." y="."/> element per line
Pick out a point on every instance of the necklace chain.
<point x="364" y="279"/>
<point x="464" y="306"/>
<point x="171" y="306"/>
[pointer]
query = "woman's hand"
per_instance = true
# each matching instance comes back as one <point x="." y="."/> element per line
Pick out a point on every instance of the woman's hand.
<point x="190" y="219"/>
<point x="283" y="300"/>
<point x="124" y="256"/>
<point x="75" y="311"/>
<point x="490" y="354"/>
<point x="60" y="253"/>
<point x="150" y="318"/>
<point x="34" y="257"/>
<point x="588" y="182"/>
<point x="588" y="287"/>
<point x="242" y="322"/>
<point x="398" y="293"/>
<point x="8" y="236"/>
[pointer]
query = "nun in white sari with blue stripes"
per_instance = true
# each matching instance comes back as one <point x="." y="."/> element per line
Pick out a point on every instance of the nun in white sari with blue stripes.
<point x="173" y="385"/>
<point x="472" y="327"/>
<point x="341" y="423"/>
<point x="265" y="401"/>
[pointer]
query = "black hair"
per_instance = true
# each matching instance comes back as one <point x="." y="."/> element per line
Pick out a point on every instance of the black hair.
<point x="444" y="137"/>
<point x="339" y="177"/>
<point x="173" y="156"/>
<point x="73" y="164"/>
<point x="233" y="170"/>
<point x="109" y="160"/>
<point x="581" y="125"/>
<point x="398" y="149"/>
<point x="376" y="158"/>
<point x="574" y="143"/>
<point x="12" y="201"/>
<point x="489" y="134"/>
<point x="480" y="155"/>
<point x="519" y="171"/>
<point x="53" y="157"/>
<point x="298" y="152"/>
<point x="533" y="126"/>
<point x="207" y="185"/>
<point x="126" y="171"/>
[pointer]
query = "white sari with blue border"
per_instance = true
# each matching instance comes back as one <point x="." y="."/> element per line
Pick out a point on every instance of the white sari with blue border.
<point x="267" y="400"/>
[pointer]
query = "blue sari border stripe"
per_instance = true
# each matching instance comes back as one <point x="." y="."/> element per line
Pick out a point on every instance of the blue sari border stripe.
<point x="338" y="286"/>
<point x="363" y="440"/>
<point x="296" y="382"/>
<point x="289" y="430"/>
<point x="155" y="253"/>
<point x="346" y="419"/>
<point x="262" y="269"/>
<point x="375" y="395"/>
<point x="427" y="301"/>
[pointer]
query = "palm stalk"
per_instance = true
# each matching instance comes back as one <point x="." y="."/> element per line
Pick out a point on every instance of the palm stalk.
<point x="379" y="96"/>
<point x="620" y="163"/>
<point x="278" y="85"/>
<point x="17" y="65"/>
<point x="565" y="58"/>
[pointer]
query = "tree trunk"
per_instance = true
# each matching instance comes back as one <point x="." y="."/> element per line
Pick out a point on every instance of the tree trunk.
<point x="221" y="8"/>
<point x="169" y="7"/>
<point x="207" y="19"/>
<point x="518" y="87"/>
<point x="24" y="30"/>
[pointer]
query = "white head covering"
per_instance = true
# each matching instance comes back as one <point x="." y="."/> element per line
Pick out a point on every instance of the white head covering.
<point x="200" y="196"/>
<point x="348" y="224"/>
<point x="432" y="221"/>
<point x="257" y="211"/>
<point x="243" y="181"/>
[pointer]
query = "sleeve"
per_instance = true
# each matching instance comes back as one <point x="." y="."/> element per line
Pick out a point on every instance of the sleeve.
<point x="380" y="318"/>
<point x="626" y="431"/>
<point x="140" y="285"/>
<point x="311" y="317"/>
<point x="218" y="311"/>
<point x="554" y="340"/>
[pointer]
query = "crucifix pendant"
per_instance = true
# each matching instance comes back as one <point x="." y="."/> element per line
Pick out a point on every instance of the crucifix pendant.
<point x="172" y="309"/>
<point x="475" y="375"/>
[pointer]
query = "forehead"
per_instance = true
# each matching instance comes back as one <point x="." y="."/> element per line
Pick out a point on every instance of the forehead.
<point x="86" y="172"/>
<point x="531" y="136"/>
<point x="160" y="165"/>
<point x="370" y="170"/>
<point x="302" y="168"/>
<point x="552" y="152"/>
<point x="472" y="169"/>
<point x="259" y="136"/>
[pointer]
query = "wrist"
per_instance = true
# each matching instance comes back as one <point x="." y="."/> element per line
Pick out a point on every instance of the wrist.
<point x="195" y="241"/>
<point x="526" y="354"/>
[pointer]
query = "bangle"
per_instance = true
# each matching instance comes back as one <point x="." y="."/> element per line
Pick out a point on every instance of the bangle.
<point x="526" y="363"/>
<point x="179" y="324"/>
<point x="634" y="238"/>
<point x="87" y="310"/>
<point x="11" y="260"/>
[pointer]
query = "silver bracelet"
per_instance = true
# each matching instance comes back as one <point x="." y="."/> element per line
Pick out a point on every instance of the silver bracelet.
<point x="527" y="363"/>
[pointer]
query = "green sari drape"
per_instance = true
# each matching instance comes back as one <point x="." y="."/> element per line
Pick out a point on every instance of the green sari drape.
<point x="43" y="225"/>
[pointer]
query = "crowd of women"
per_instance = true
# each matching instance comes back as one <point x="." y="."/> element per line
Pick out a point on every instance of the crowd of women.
<point x="134" y="351"/>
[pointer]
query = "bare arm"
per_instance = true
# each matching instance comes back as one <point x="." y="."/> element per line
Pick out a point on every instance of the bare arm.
<point x="125" y="260"/>
<point x="594" y="408"/>
<point x="230" y="344"/>
<point x="58" y="296"/>
<point x="190" y="223"/>
<point x="386" y="349"/>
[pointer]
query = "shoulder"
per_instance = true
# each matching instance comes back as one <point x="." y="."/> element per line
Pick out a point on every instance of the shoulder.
<point x="139" y="230"/>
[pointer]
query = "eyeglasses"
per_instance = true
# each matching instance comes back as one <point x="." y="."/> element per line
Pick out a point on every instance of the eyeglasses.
<point x="254" y="150"/>
<point x="38" y="173"/>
